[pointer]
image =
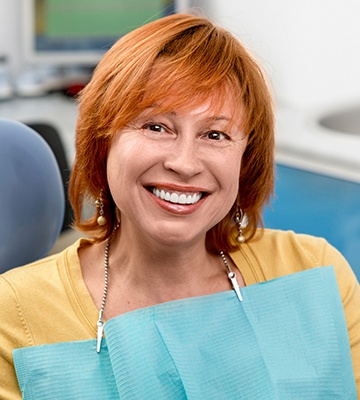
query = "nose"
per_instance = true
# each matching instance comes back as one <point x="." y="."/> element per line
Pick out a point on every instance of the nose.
<point x="184" y="158"/>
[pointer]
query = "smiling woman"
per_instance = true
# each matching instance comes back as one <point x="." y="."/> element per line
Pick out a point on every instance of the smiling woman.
<point x="174" y="145"/>
<point x="194" y="64"/>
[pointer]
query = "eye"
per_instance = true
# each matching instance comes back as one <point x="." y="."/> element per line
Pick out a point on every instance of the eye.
<point x="216" y="135"/>
<point x="154" y="127"/>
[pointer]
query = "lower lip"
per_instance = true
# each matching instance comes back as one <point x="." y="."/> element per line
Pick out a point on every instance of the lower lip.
<point x="175" y="208"/>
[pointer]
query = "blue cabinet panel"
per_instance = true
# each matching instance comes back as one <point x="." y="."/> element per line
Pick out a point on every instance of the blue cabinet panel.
<point x="319" y="205"/>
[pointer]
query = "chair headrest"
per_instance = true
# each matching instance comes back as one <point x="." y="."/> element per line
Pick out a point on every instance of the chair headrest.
<point x="32" y="201"/>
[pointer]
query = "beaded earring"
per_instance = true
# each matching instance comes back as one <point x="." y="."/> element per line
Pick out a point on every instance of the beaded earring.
<point x="239" y="219"/>
<point x="100" y="205"/>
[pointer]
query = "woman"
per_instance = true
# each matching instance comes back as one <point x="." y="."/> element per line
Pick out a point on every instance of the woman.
<point x="178" y="294"/>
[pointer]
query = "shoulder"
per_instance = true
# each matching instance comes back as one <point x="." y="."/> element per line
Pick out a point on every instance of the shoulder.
<point x="281" y="252"/>
<point x="274" y="253"/>
<point x="38" y="275"/>
<point x="28" y="274"/>
<point x="27" y="291"/>
<point x="43" y="270"/>
<point x="23" y="282"/>
<point x="288" y="242"/>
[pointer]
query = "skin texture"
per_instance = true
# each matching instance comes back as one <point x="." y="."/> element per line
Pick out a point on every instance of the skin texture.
<point x="159" y="254"/>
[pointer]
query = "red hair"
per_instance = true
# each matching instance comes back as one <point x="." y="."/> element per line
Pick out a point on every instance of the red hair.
<point x="190" y="60"/>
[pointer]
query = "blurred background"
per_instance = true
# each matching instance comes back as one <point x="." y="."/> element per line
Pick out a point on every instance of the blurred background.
<point x="309" y="51"/>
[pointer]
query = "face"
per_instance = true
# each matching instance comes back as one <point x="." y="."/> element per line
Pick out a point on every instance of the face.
<point x="175" y="175"/>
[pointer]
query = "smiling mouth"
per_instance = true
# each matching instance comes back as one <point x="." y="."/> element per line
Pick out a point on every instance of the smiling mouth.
<point x="176" y="197"/>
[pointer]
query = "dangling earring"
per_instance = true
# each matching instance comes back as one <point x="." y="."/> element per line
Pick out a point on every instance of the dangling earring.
<point x="239" y="219"/>
<point x="100" y="205"/>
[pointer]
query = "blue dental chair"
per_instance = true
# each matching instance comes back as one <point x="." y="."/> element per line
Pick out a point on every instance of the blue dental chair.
<point x="32" y="201"/>
<point x="319" y="205"/>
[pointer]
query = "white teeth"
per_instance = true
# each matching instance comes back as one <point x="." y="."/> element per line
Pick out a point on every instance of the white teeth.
<point x="176" y="198"/>
<point x="182" y="199"/>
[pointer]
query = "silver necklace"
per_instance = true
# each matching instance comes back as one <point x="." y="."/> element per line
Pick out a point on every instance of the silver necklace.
<point x="100" y="323"/>
<point x="231" y="276"/>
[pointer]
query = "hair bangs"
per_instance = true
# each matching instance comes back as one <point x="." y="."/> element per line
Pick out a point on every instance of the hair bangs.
<point x="166" y="95"/>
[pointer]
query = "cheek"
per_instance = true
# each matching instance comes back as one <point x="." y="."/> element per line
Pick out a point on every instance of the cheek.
<point x="117" y="168"/>
<point x="122" y="153"/>
<point x="231" y="167"/>
<point x="230" y="176"/>
<point x="232" y="187"/>
<point x="127" y="161"/>
<point x="113" y="162"/>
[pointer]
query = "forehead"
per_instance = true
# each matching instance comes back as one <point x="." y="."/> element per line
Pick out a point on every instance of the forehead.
<point x="213" y="104"/>
<point x="211" y="108"/>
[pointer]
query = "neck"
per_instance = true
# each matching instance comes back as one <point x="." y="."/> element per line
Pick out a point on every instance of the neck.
<point x="177" y="262"/>
<point x="163" y="273"/>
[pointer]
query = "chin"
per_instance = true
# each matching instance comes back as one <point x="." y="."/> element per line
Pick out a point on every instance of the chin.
<point x="174" y="238"/>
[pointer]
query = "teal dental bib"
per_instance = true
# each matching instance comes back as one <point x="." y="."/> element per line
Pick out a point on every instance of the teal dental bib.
<point x="286" y="340"/>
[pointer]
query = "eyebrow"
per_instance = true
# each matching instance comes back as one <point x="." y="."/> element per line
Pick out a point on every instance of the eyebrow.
<point x="222" y="118"/>
<point x="175" y="114"/>
<point x="212" y="118"/>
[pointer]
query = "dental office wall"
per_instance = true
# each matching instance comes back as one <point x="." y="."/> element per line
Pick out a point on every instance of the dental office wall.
<point x="310" y="48"/>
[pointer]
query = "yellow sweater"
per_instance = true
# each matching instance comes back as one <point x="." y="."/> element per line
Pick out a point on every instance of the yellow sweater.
<point x="47" y="301"/>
